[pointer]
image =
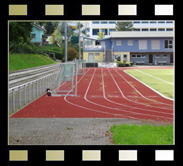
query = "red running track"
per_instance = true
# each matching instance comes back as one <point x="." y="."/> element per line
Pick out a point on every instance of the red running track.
<point x="103" y="93"/>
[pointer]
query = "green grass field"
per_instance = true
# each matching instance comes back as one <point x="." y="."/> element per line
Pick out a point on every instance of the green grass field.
<point x="142" y="135"/>
<point x="23" y="61"/>
<point x="159" y="79"/>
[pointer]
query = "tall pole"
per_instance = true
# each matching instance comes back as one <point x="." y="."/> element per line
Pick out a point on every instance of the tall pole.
<point x="86" y="29"/>
<point x="79" y="43"/>
<point x="65" y="32"/>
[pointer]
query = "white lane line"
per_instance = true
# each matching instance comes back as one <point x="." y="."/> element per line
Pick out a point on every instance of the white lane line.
<point x="85" y="97"/>
<point x="140" y="93"/>
<point x="151" y="89"/>
<point x="123" y="116"/>
<point x="129" y="99"/>
<point x="86" y="108"/>
<point x="128" y="105"/>
<point x="154" y="77"/>
<point x="107" y="106"/>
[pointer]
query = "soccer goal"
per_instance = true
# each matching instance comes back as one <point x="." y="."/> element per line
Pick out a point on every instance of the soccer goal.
<point x="81" y="70"/>
<point x="65" y="82"/>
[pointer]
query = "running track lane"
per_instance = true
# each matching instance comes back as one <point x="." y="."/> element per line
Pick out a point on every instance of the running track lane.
<point x="144" y="89"/>
<point x="97" y="96"/>
<point x="58" y="107"/>
<point x="130" y="93"/>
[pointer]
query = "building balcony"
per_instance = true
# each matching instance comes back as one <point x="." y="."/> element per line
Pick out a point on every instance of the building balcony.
<point x="91" y="47"/>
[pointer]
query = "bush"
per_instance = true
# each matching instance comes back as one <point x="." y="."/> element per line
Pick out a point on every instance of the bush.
<point x="71" y="54"/>
<point x="27" y="48"/>
<point x="59" y="52"/>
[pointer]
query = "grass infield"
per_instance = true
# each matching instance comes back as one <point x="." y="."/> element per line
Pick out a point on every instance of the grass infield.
<point x="142" y="134"/>
<point x="159" y="79"/>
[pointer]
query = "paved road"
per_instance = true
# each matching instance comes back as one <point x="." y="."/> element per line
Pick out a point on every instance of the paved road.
<point x="63" y="131"/>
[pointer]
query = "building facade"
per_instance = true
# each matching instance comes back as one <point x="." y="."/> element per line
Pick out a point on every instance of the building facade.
<point x="107" y="27"/>
<point x="137" y="47"/>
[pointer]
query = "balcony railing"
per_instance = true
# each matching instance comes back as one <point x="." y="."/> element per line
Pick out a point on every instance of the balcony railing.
<point x="98" y="47"/>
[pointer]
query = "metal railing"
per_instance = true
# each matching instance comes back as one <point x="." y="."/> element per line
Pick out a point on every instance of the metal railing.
<point x="21" y="95"/>
<point x="97" y="47"/>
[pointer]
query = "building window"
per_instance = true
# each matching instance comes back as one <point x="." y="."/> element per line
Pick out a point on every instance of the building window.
<point x="124" y="56"/>
<point x="169" y="22"/>
<point x="153" y="29"/>
<point x="142" y="44"/>
<point x="168" y="44"/>
<point x="144" y="29"/>
<point x="97" y="54"/>
<point x="153" y="22"/>
<point x="95" y="31"/>
<point x="161" y="29"/>
<point x="33" y="36"/>
<point x="169" y="29"/>
<point x="165" y="56"/>
<point x="135" y="29"/>
<point x="161" y="22"/>
<point x="138" y="56"/>
<point x="118" y="57"/>
<point x="103" y="22"/>
<point x="143" y="56"/>
<point x="112" y="22"/>
<point x="155" y="44"/>
<point x="144" y="22"/>
<point x="111" y="30"/>
<point x="118" y="42"/>
<point x="157" y="56"/>
<point x="130" y="42"/>
<point x="104" y="31"/>
<point x="95" y="22"/>
<point x="136" y="22"/>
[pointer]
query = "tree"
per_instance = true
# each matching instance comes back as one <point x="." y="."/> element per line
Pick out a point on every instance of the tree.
<point x="124" y="26"/>
<point x="61" y="29"/>
<point x="57" y="36"/>
<point x="19" y="32"/>
<point x="50" y="27"/>
<point x="77" y="26"/>
<point x="100" y="35"/>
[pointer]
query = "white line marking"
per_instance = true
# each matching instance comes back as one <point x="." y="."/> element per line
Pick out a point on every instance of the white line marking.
<point x="151" y="89"/>
<point x="139" y="92"/>
<point x="130" y="100"/>
<point x="65" y="98"/>
<point x="154" y="77"/>
<point x="122" y="104"/>
<point x="86" y="108"/>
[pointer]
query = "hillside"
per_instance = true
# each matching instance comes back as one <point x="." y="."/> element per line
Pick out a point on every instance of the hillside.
<point x="23" y="61"/>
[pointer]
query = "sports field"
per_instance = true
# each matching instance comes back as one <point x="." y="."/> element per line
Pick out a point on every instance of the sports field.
<point x="105" y="93"/>
<point x="162" y="80"/>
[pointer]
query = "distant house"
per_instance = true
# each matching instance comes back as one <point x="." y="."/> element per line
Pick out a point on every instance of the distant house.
<point x="36" y="34"/>
<point x="138" y="47"/>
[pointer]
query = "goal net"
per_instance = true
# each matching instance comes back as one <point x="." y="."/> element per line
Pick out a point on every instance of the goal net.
<point x="65" y="80"/>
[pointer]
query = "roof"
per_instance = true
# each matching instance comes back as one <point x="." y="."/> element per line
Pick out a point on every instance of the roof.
<point x="40" y="28"/>
<point x="90" y="38"/>
<point x="139" y="34"/>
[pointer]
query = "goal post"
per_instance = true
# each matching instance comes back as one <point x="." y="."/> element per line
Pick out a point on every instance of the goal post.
<point x="65" y="82"/>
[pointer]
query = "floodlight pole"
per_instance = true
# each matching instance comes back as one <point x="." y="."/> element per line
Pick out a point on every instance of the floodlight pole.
<point x="79" y="43"/>
<point x="65" y="32"/>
